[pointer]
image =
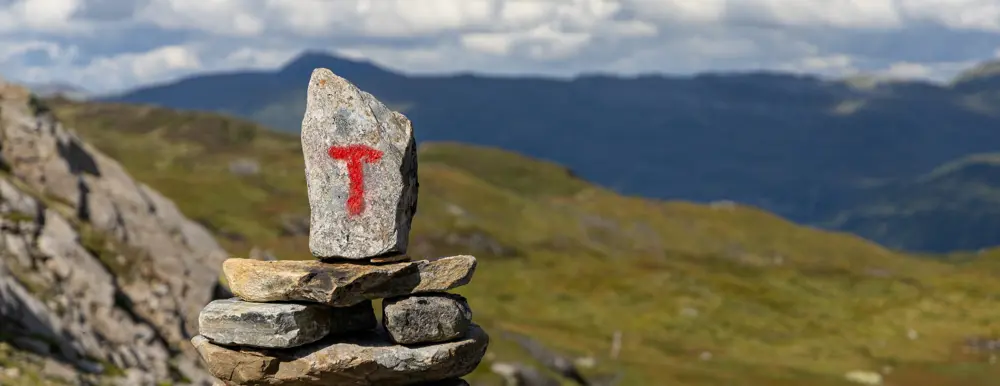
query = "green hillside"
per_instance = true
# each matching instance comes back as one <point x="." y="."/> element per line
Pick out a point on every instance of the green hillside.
<point x="703" y="294"/>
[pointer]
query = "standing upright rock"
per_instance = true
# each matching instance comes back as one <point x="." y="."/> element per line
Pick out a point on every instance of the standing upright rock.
<point x="361" y="171"/>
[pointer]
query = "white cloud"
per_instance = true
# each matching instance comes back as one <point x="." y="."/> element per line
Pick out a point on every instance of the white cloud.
<point x="50" y="14"/>
<point x="518" y="14"/>
<point x="492" y="43"/>
<point x="375" y="18"/>
<point x="249" y="57"/>
<point x="160" y="61"/>
<point x="680" y="11"/>
<point x="908" y="70"/>
<point x="834" y="13"/>
<point x="39" y="15"/>
<point x="121" y="71"/>
<point x="837" y="65"/>
<point x="963" y="14"/>
<point x="555" y="37"/>
<point x="404" y="17"/>
<point x="798" y="13"/>
<point x="720" y="47"/>
<point x="317" y="17"/>
<point x="223" y="17"/>
<point x="935" y="71"/>
<point x="542" y="43"/>
<point x="632" y="29"/>
<point x="12" y="49"/>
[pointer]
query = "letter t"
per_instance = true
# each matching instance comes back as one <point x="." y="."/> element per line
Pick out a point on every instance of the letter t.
<point x="354" y="155"/>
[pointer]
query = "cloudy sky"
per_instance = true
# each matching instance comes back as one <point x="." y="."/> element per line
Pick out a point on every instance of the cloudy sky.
<point x="106" y="45"/>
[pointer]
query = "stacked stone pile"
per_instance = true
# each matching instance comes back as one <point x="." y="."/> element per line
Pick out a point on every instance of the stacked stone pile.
<point x="312" y="322"/>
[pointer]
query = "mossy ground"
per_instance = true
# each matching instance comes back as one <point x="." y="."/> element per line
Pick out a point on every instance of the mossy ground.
<point x="22" y="368"/>
<point x="569" y="263"/>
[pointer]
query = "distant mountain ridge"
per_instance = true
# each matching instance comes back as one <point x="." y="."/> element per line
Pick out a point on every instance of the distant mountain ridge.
<point x="803" y="147"/>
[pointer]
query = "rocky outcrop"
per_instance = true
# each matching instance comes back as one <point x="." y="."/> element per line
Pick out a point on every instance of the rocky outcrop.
<point x="101" y="268"/>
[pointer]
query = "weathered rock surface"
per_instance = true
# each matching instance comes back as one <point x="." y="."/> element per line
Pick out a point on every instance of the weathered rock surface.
<point x="165" y="263"/>
<point x="343" y="284"/>
<point x="281" y="325"/>
<point x="53" y="288"/>
<point x="77" y="236"/>
<point x="428" y="318"/>
<point x="361" y="169"/>
<point x="354" y="361"/>
<point x="271" y="325"/>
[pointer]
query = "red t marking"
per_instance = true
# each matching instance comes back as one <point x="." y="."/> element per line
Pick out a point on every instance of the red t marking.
<point x="354" y="155"/>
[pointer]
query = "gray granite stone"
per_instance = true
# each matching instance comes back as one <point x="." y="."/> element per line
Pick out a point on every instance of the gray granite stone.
<point x="361" y="171"/>
<point x="430" y="318"/>
<point x="356" y="360"/>
<point x="274" y="325"/>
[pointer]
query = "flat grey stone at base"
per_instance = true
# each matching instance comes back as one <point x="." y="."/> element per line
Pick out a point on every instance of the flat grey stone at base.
<point x="356" y="360"/>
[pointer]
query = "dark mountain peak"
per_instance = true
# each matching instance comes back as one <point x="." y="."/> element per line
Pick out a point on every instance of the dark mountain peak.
<point x="982" y="77"/>
<point x="756" y="76"/>
<point x="986" y="69"/>
<point x="757" y="81"/>
<point x="303" y="65"/>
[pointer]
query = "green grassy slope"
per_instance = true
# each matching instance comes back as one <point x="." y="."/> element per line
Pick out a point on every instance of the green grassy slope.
<point x="570" y="263"/>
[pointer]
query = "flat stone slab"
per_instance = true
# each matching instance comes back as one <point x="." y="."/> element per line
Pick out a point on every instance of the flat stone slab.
<point x="361" y="171"/>
<point x="343" y="284"/>
<point x="277" y="325"/>
<point x="356" y="361"/>
<point x="430" y="318"/>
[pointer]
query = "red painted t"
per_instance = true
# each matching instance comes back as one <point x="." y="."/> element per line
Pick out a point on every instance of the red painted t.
<point x="354" y="155"/>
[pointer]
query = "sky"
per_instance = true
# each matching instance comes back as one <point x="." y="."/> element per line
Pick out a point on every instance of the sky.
<point x="111" y="45"/>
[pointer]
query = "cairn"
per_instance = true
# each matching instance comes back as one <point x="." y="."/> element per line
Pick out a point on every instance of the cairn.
<point x="312" y="322"/>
